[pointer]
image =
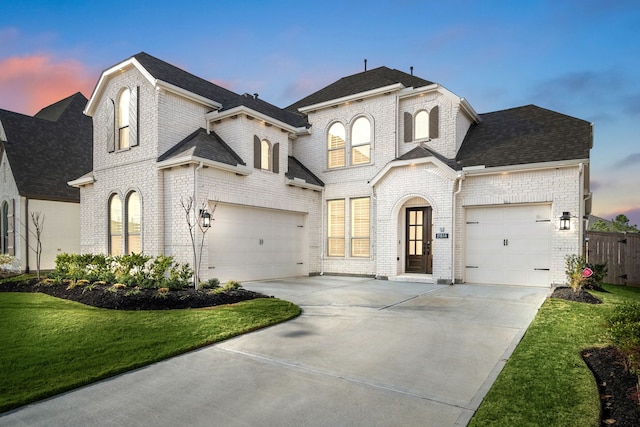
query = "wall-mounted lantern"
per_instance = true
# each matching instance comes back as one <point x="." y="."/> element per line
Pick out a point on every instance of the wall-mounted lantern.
<point x="565" y="221"/>
<point x="206" y="218"/>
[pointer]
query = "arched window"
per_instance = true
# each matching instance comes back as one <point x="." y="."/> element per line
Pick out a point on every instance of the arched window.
<point x="123" y="119"/>
<point x="421" y="125"/>
<point x="115" y="225"/>
<point x="361" y="141"/>
<point x="5" y="227"/>
<point x="265" y="155"/>
<point x="133" y="231"/>
<point x="336" y="156"/>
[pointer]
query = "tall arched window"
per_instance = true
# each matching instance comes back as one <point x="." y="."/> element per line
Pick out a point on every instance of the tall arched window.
<point x="115" y="225"/>
<point x="265" y="155"/>
<point x="421" y="125"/>
<point x="123" y="119"/>
<point x="133" y="232"/>
<point x="336" y="156"/>
<point x="361" y="141"/>
<point x="5" y="227"/>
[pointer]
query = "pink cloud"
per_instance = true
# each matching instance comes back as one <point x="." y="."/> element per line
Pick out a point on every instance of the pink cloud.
<point x="29" y="83"/>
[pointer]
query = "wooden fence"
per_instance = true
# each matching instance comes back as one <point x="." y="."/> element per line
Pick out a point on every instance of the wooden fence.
<point x="621" y="252"/>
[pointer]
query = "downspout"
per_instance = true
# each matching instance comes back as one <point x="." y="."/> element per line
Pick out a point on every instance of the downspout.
<point x="397" y="107"/>
<point x="322" y="246"/>
<point x="581" y="231"/>
<point x="459" y="180"/>
<point x="196" y="267"/>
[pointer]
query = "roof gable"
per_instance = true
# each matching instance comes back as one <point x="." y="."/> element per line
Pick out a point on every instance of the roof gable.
<point x="525" y="135"/>
<point x="297" y="171"/>
<point x="44" y="154"/>
<point x="361" y="82"/>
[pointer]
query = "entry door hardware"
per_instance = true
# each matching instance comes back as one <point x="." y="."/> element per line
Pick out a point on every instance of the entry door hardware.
<point x="260" y="242"/>
<point x="505" y="242"/>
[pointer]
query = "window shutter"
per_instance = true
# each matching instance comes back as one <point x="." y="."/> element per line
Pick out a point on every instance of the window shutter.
<point x="275" y="158"/>
<point x="408" y="127"/>
<point x="257" y="150"/>
<point x="111" y="127"/>
<point x="433" y="122"/>
<point x="134" y="119"/>
<point x="11" y="229"/>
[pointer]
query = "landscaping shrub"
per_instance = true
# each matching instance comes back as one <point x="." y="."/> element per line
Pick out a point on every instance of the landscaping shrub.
<point x="575" y="265"/>
<point x="133" y="270"/>
<point x="624" y="327"/>
<point x="210" y="284"/>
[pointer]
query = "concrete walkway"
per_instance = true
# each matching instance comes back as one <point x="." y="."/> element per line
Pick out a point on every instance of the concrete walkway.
<point x="363" y="353"/>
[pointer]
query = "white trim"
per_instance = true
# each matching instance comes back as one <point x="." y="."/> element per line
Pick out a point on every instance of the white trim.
<point x="187" y="160"/>
<point x="133" y="62"/>
<point x="362" y="95"/>
<point x="3" y="135"/>
<point x="445" y="170"/>
<point x="87" y="179"/>
<point x="482" y="170"/>
<point x="465" y="107"/>
<point x="298" y="182"/>
<point x="242" y="109"/>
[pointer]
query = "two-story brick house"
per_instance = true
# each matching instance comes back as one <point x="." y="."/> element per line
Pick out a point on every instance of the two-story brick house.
<point x="381" y="173"/>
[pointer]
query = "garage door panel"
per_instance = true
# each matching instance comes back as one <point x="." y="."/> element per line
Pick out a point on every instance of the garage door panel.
<point x="508" y="245"/>
<point x="248" y="243"/>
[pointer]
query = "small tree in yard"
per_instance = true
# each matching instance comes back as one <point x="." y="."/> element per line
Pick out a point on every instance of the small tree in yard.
<point x="574" y="267"/>
<point x="37" y="218"/>
<point x="193" y="223"/>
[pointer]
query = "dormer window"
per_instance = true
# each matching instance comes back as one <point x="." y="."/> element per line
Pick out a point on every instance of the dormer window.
<point x="421" y="126"/>
<point x="266" y="156"/>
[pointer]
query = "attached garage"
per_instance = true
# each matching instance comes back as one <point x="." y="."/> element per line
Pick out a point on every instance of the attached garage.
<point x="247" y="243"/>
<point x="508" y="245"/>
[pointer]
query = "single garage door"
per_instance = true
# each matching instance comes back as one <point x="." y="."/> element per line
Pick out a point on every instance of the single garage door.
<point x="508" y="245"/>
<point x="248" y="243"/>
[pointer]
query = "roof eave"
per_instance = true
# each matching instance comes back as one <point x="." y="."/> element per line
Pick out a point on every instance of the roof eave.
<point x="187" y="94"/>
<point x="188" y="160"/>
<point x="297" y="182"/>
<point x="82" y="181"/>
<point x="483" y="170"/>
<point x="362" y="95"/>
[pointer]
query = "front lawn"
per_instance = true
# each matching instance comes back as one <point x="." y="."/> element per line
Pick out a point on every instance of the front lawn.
<point x="546" y="382"/>
<point x="51" y="345"/>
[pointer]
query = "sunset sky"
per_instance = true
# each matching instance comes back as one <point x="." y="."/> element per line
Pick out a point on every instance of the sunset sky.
<point x="581" y="58"/>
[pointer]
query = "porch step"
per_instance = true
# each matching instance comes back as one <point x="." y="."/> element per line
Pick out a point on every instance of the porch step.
<point x="415" y="278"/>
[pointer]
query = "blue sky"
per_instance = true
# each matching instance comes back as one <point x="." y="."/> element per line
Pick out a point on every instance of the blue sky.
<point x="581" y="58"/>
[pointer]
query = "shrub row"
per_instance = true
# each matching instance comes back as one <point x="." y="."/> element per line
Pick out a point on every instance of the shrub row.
<point x="624" y="327"/>
<point x="132" y="270"/>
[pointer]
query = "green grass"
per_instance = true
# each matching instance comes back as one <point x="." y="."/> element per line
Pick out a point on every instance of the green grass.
<point x="546" y="382"/>
<point x="50" y="345"/>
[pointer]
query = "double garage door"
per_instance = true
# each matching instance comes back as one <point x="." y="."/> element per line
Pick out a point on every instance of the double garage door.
<point x="508" y="245"/>
<point x="248" y="243"/>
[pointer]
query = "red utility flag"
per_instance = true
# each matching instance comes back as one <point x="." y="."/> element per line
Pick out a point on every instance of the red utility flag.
<point x="587" y="272"/>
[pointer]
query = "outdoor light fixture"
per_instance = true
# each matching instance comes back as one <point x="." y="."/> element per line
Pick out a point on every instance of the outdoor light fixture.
<point x="565" y="221"/>
<point x="206" y="218"/>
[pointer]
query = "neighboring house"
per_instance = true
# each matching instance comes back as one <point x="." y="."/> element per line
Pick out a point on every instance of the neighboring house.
<point x="39" y="155"/>
<point x="381" y="173"/>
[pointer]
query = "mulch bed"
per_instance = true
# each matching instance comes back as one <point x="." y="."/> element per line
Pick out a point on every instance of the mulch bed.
<point x="146" y="299"/>
<point x="619" y="389"/>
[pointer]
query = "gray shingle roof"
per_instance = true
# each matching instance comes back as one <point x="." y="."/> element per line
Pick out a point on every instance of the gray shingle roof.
<point x="360" y="82"/>
<point x="298" y="170"/>
<point x="522" y="135"/>
<point x="50" y="149"/>
<point x="422" y="152"/>
<point x="171" y="74"/>
<point x="207" y="146"/>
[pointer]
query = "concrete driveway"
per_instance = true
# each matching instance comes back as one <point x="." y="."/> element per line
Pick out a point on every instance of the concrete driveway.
<point x="363" y="353"/>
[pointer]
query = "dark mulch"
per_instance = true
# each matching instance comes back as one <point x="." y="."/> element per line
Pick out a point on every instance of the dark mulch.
<point x="146" y="299"/>
<point x="619" y="390"/>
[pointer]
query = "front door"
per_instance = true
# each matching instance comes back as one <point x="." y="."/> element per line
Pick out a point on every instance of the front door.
<point x="419" y="258"/>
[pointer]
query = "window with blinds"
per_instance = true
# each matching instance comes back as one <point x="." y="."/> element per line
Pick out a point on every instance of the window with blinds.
<point x="335" y="228"/>
<point x="360" y="227"/>
<point x="336" y="156"/>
